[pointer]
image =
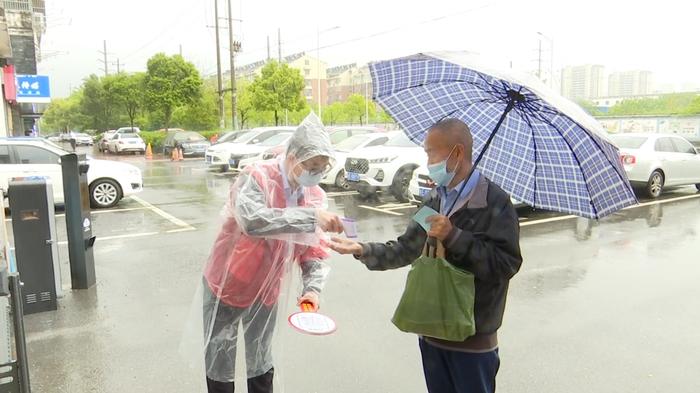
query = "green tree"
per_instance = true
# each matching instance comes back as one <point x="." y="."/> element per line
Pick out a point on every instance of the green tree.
<point x="333" y="113"/>
<point x="97" y="103"/>
<point x="278" y="88"/>
<point x="668" y="104"/>
<point x="694" y="107"/>
<point x="244" y="102"/>
<point x="171" y="82"/>
<point x="355" y="108"/>
<point x="127" y="91"/>
<point x="589" y="107"/>
<point x="382" y="117"/>
<point x="64" y="115"/>
<point x="200" y="115"/>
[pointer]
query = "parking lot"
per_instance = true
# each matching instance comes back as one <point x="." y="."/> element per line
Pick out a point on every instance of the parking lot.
<point x="598" y="306"/>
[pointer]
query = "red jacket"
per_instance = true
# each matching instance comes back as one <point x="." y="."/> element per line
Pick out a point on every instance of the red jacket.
<point x="244" y="269"/>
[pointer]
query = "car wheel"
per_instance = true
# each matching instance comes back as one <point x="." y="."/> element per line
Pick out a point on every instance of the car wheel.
<point x="341" y="181"/>
<point x="399" y="187"/>
<point x="104" y="193"/>
<point x="224" y="168"/>
<point x="655" y="185"/>
<point x="697" y="186"/>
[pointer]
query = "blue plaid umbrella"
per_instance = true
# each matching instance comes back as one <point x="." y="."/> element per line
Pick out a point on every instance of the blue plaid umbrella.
<point x="541" y="148"/>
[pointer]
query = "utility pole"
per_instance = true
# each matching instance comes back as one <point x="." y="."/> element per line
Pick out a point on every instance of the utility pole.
<point x="180" y="50"/>
<point x="222" y="122"/>
<point x="551" y="57"/>
<point x="233" y="46"/>
<point x="318" y="70"/>
<point x="366" y="99"/>
<point x="279" y="45"/>
<point x="539" y="61"/>
<point x="104" y="57"/>
<point x="268" y="48"/>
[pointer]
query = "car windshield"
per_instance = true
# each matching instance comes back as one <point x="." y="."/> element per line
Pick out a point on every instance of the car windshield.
<point x="230" y="136"/>
<point x="351" y="143"/>
<point x="276" y="139"/>
<point x="400" y="140"/>
<point x="190" y="136"/>
<point x="628" y="141"/>
<point x="244" y="137"/>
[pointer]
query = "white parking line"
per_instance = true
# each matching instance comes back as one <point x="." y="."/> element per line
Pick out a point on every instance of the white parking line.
<point x="661" y="202"/>
<point x="181" y="230"/>
<point x="163" y="214"/>
<point x="380" y="210"/>
<point x="99" y="212"/>
<point x="341" y="193"/>
<point x="105" y="238"/>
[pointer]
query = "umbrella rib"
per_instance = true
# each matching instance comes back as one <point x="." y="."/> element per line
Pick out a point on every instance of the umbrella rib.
<point x="523" y="116"/>
<point x="585" y="180"/>
<point x="595" y="142"/>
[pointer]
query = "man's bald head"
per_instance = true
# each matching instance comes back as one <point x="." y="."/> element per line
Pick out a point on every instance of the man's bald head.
<point x="453" y="132"/>
<point x="451" y="140"/>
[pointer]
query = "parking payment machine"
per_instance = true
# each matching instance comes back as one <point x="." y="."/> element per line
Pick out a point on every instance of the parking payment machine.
<point x="78" y="220"/>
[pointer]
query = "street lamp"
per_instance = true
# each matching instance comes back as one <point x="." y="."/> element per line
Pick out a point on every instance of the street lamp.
<point x="318" y="64"/>
<point x="551" y="58"/>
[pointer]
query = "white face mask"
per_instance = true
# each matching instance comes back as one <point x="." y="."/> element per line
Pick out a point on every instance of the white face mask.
<point x="306" y="179"/>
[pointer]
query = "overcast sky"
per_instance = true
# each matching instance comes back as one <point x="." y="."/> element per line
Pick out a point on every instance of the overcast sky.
<point x="657" y="36"/>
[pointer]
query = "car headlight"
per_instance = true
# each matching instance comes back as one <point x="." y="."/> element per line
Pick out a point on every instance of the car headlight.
<point x="382" y="160"/>
<point x="185" y="145"/>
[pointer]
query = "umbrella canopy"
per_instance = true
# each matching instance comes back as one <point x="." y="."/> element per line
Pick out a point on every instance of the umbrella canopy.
<point x="541" y="148"/>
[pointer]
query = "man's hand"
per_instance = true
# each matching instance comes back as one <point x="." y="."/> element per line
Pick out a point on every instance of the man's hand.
<point x="345" y="246"/>
<point x="440" y="226"/>
<point x="312" y="298"/>
<point x="329" y="222"/>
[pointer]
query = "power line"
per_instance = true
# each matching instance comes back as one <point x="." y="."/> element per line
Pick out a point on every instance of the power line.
<point x="169" y="27"/>
<point x="384" y="32"/>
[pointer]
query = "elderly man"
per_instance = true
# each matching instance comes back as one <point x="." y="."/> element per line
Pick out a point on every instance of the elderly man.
<point x="479" y="230"/>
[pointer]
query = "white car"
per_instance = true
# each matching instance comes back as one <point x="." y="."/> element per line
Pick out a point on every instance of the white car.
<point x="253" y="153"/>
<point x="125" y="143"/>
<point x="657" y="161"/>
<point x="336" y="176"/>
<point x="108" y="181"/>
<point x="82" y="139"/>
<point x="388" y="167"/>
<point x="219" y="155"/>
<point x="128" y="130"/>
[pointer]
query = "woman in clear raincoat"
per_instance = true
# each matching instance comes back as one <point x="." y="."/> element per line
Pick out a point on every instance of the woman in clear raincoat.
<point x="273" y="218"/>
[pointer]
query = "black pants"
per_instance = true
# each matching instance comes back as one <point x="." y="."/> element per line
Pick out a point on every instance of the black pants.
<point x="221" y="323"/>
<point x="459" y="372"/>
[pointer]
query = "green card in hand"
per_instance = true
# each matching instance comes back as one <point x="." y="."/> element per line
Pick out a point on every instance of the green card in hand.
<point x="422" y="214"/>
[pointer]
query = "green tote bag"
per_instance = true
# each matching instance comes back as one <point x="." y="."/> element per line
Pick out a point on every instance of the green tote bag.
<point x="438" y="300"/>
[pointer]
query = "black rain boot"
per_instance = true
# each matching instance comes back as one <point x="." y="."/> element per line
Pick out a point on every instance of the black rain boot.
<point x="219" y="387"/>
<point x="261" y="383"/>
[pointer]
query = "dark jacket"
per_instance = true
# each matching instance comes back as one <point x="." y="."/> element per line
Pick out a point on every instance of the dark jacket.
<point x="484" y="241"/>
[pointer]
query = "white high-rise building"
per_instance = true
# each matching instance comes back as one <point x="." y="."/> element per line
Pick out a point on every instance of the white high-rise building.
<point x="582" y="82"/>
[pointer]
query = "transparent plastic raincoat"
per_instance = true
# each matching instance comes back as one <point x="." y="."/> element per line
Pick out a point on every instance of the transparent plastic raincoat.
<point x="269" y="228"/>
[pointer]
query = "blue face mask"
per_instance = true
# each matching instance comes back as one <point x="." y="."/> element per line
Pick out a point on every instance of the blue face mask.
<point x="438" y="172"/>
<point x="306" y="179"/>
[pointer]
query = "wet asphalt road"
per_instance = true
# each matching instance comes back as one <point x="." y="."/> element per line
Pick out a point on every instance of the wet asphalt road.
<point x="609" y="306"/>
